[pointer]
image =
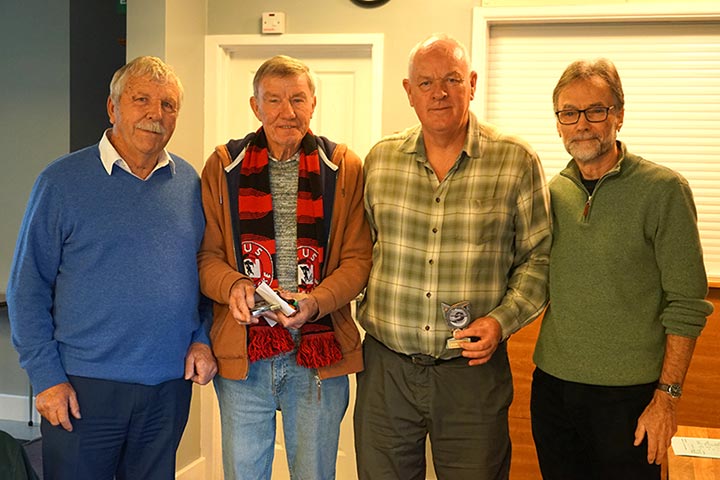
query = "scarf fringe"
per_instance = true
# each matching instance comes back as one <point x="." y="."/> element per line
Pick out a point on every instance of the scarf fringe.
<point x="318" y="350"/>
<point x="265" y="342"/>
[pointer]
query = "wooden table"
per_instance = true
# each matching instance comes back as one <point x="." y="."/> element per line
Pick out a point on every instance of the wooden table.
<point x="694" y="468"/>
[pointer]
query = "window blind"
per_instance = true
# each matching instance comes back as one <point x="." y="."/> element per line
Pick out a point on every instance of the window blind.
<point x="671" y="79"/>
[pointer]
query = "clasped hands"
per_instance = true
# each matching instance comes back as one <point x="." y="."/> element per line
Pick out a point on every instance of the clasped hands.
<point x="242" y="300"/>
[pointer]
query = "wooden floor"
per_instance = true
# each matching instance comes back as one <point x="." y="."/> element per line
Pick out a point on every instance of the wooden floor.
<point x="524" y="464"/>
<point x="700" y="405"/>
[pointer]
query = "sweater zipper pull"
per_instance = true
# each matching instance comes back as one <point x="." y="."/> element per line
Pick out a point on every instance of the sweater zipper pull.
<point x="587" y="207"/>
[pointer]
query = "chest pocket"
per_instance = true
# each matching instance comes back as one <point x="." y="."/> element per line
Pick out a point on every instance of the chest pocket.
<point x="481" y="221"/>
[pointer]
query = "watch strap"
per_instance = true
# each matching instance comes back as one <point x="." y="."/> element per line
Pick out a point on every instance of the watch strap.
<point x="672" y="389"/>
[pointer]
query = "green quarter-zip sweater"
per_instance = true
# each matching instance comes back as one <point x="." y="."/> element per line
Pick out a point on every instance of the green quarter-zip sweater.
<point x="626" y="270"/>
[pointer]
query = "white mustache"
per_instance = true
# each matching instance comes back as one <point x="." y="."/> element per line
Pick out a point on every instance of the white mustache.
<point x="150" y="126"/>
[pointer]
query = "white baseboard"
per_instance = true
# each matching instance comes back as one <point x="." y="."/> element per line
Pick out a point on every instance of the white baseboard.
<point x="194" y="471"/>
<point x="15" y="407"/>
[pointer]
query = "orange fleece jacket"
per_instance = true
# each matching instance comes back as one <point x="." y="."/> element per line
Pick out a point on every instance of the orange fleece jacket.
<point x="347" y="266"/>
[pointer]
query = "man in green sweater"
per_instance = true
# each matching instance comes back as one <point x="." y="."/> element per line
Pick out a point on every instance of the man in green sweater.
<point x="627" y="295"/>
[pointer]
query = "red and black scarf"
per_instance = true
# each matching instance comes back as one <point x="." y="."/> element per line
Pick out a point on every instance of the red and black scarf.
<point x="318" y="346"/>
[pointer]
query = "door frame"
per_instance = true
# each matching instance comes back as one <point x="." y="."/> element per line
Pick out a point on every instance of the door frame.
<point x="219" y="48"/>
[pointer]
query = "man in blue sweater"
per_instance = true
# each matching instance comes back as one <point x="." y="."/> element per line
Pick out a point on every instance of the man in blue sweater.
<point x="627" y="295"/>
<point x="103" y="294"/>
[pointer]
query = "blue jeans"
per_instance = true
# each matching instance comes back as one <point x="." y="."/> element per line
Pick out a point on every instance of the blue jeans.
<point x="311" y="414"/>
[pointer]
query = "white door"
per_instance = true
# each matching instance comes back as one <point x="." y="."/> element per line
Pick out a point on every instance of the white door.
<point x="343" y="88"/>
<point x="348" y="69"/>
<point x="349" y="89"/>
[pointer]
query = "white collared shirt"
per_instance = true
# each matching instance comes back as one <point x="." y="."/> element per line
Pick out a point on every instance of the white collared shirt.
<point x="109" y="157"/>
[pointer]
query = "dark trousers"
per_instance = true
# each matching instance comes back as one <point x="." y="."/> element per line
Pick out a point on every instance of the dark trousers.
<point x="463" y="409"/>
<point x="585" y="432"/>
<point x="127" y="431"/>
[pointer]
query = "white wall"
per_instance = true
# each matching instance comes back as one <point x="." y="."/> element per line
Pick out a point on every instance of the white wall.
<point x="403" y="22"/>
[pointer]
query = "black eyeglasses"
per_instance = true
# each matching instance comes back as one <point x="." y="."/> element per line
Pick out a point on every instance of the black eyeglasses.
<point x="592" y="115"/>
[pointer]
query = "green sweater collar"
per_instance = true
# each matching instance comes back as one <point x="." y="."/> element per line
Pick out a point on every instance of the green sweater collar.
<point x="625" y="162"/>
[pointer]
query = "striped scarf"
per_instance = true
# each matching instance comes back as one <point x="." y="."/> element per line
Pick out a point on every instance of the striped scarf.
<point x="318" y="346"/>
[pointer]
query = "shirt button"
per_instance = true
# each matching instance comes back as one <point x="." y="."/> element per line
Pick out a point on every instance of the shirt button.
<point x="427" y="328"/>
<point x="428" y="294"/>
<point x="437" y="200"/>
<point x="434" y="230"/>
<point x="431" y="261"/>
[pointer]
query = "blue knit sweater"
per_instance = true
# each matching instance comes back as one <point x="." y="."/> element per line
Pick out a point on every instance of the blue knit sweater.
<point x="104" y="281"/>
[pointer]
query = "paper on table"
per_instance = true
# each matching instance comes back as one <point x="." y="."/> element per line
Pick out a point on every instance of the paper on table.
<point x="696" y="447"/>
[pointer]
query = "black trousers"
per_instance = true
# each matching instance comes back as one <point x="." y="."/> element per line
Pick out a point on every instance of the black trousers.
<point x="585" y="432"/>
<point x="127" y="432"/>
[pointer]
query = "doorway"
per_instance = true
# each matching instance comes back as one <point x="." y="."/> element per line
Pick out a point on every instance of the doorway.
<point x="349" y="84"/>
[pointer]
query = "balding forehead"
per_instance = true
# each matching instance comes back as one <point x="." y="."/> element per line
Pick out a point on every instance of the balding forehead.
<point x="444" y="44"/>
<point x="439" y="43"/>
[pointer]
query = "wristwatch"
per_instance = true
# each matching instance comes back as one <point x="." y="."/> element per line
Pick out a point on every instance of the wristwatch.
<point x="672" y="389"/>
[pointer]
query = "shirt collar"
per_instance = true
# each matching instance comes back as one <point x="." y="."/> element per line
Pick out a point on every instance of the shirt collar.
<point x="474" y="136"/>
<point x="109" y="157"/>
<point x="414" y="142"/>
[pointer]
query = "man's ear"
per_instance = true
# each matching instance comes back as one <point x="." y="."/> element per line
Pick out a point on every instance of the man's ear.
<point x="406" y="86"/>
<point x="255" y="108"/>
<point x="473" y="84"/>
<point x="111" y="110"/>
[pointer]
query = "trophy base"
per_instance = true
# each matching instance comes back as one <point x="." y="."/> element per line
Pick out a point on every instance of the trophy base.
<point x="456" y="342"/>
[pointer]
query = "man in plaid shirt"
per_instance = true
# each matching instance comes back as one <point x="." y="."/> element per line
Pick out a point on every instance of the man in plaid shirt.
<point x="461" y="226"/>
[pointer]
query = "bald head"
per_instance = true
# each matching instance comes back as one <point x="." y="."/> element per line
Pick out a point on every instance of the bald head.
<point x="439" y="42"/>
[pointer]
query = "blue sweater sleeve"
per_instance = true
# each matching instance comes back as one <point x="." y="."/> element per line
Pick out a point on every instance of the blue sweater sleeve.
<point x="205" y="307"/>
<point x="31" y="287"/>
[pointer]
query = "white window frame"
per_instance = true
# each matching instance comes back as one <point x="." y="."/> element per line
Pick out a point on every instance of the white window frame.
<point x="485" y="18"/>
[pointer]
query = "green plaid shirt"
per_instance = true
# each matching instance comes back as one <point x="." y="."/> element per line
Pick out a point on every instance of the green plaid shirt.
<point x="483" y="235"/>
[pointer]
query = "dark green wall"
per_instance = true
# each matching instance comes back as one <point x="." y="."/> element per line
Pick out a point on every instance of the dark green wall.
<point x="34" y="105"/>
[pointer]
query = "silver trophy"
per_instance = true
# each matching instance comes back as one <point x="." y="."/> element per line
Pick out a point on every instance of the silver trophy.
<point x="457" y="316"/>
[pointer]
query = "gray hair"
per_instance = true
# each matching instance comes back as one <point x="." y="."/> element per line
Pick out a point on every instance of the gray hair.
<point x="153" y="67"/>
<point x="282" y="66"/>
<point x="435" y="37"/>
<point x="584" y="69"/>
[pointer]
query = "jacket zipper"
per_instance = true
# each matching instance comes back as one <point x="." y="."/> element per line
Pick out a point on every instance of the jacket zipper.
<point x="586" y="210"/>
